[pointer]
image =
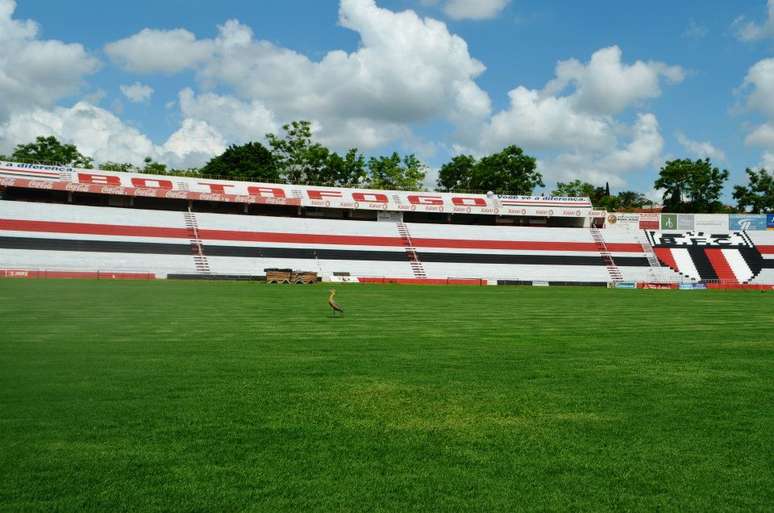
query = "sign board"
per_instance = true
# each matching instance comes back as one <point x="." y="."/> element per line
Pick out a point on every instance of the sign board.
<point x="669" y="221"/>
<point x="685" y="222"/>
<point x="711" y="223"/>
<point x="747" y="222"/>
<point x="192" y="188"/>
<point x="622" y="221"/>
<point x="770" y="221"/>
<point x="649" y="221"/>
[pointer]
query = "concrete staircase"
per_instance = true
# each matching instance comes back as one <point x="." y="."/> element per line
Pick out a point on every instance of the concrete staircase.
<point x="197" y="249"/>
<point x="416" y="266"/>
<point x="612" y="269"/>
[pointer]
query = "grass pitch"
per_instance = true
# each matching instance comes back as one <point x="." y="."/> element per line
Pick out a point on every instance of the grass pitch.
<point x="183" y="397"/>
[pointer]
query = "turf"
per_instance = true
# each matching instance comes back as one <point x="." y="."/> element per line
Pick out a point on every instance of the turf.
<point x="182" y="396"/>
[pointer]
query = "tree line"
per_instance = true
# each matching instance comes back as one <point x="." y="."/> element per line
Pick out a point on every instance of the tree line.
<point x="294" y="157"/>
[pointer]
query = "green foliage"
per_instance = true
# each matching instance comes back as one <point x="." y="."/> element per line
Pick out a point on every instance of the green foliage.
<point x="456" y="175"/>
<point x="121" y="167"/>
<point x="510" y="171"/>
<point x="175" y="396"/>
<point x="396" y="173"/>
<point x="346" y="171"/>
<point x="251" y="160"/>
<point x="300" y="160"/>
<point x="691" y="186"/>
<point x="49" y="150"/>
<point x="631" y="200"/>
<point x="576" y="188"/>
<point x="600" y="196"/>
<point x="758" y="195"/>
<point x="153" y="167"/>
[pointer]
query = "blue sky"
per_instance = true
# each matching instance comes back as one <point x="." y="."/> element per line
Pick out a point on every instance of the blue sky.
<point x="671" y="79"/>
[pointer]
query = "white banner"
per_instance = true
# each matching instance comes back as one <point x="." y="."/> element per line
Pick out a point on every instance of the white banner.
<point x="116" y="183"/>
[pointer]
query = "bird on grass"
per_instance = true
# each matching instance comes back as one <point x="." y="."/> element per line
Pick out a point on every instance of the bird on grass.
<point x="333" y="304"/>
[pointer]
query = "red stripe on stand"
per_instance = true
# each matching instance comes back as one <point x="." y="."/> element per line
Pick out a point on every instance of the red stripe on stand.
<point x="721" y="266"/>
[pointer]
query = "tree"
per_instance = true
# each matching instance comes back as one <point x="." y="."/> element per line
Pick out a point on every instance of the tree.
<point x="758" y="196"/>
<point x="50" y="150"/>
<point x="631" y="200"/>
<point x="691" y="186"/>
<point x="455" y="176"/>
<point x="507" y="172"/>
<point x="575" y="188"/>
<point x="122" y="167"/>
<point x="406" y="174"/>
<point x="251" y="160"/>
<point x="300" y="161"/>
<point x="154" y="168"/>
<point x="346" y="171"/>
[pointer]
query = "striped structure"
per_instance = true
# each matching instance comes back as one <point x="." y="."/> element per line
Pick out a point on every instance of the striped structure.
<point x="733" y="257"/>
<point x="38" y="236"/>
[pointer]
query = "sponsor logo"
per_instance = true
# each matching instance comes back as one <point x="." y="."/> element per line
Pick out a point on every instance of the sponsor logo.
<point x="687" y="239"/>
<point x="747" y="222"/>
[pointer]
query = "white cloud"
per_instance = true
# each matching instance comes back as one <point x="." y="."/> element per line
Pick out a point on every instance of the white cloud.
<point x="642" y="149"/>
<point x="751" y="31"/>
<point x="759" y="81"/>
<point x="545" y="122"/>
<point x="102" y="135"/>
<point x="758" y="86"/>
<point x="96" y="132"/>
<point x="166" y="51"/>
<point x="407" y="70"/>
<point x="700" y="149"/>
<point x="762" y="135"/>
<point x="767" y="161"/>
<point x="33" y="72"/>
<point x="235" y="120"/>
<point x="573" y="115"/>
<point x="474" y="9"/>
<point x="608" y="86"/>
<point x="137" y="92"/>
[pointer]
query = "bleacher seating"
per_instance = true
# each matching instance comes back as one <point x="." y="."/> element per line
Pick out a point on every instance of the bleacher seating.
<point x="43" y="236"/>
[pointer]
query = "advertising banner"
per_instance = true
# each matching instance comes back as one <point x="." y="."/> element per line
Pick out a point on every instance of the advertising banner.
<point x="626" y="285"/>
<point x="685" y="222"/>
<point x="747" y="222"/>
<point x="711" y="223"/>
<point x="13" y="174"/>
<point x="669" y="221"/>
<point x="616" y="221"/>
<point x="770" y="221"/>
<point x="692" y="286"/>
<point x="649" y="221"/>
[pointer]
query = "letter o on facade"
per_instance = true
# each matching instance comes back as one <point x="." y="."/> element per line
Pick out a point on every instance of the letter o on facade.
<point x="369" y="197"/>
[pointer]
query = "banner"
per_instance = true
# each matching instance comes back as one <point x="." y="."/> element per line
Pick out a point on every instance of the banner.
<point x="685" y="222"/>
<point x="649" y="221"/>
<point x="747" y="222"/>
<point x="692" y="286"/>
<point x="711" y="223"/>
<point x="617" y="221"/>
<point x="669" y="221"/>
<point x="13" y="174"/>
<point x="770" y="221"/>
<point x="626" y="285"/>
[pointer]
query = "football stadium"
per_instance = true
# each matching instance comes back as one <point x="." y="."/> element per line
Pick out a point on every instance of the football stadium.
<point x="386" y="256"/>
<point x="168" y="347"/>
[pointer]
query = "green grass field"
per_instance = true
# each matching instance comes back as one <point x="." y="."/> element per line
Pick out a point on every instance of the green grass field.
<point x="183" y="396"/>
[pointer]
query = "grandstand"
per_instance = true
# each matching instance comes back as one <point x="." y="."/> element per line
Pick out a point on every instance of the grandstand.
<point x="61" y="221"/>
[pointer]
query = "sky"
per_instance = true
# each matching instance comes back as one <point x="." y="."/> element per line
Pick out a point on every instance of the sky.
<point x="603" y="91"/>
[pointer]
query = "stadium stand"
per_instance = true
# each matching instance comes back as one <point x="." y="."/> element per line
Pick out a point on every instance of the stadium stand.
<point x="61" y="220"/>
